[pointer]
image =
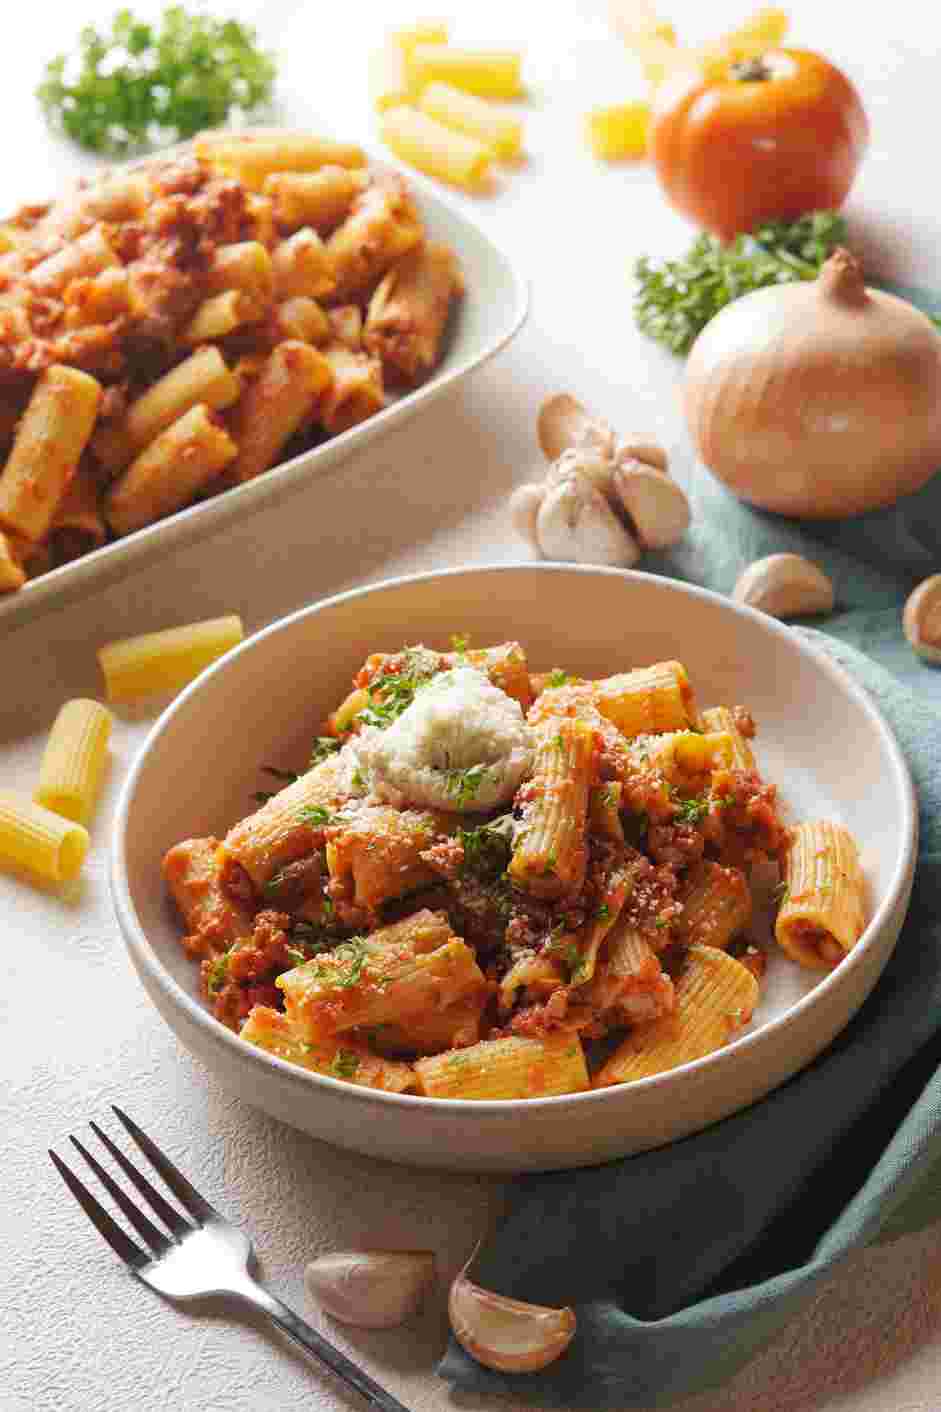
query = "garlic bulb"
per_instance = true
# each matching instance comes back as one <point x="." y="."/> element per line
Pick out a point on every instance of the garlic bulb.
<point x="507" y="1334"/>
<point x="585" y="462"/>
<point x="922" y="619"/>
<point x="371" y="1289"/>
<point x="575" y="523"/>
<point x="524" y="507"/>
<point x="564" y="424"/>
<point x="655" y="505"/>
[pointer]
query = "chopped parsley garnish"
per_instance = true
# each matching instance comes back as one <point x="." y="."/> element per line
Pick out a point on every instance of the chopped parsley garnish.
<point x="142" y="85"/>
<point x="559" y="743"/>
<point x="568" y="954"/>
<point x="691" y="811"/>
<point x="393" y="693"/>
<point x="557" y="677"/>
<point x="487" y="849"/>
<point x="357" y="780"/>
<point x="298" y="956"/>
<point x="324" y="747"/>
<point x="217" y="974"/>
<point x="355" y="952"/>
<point x="603" y="913"/>
<point x="344" y="1064"/>
<point x="288" y="776"/>
<point x="460" y="642"/>
<point x="464" y="785"/>
<point x="261" y="796"/>
<point x="316" y="816"/>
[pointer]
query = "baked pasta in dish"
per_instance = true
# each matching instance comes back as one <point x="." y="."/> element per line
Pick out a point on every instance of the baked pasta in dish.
<point x="494" y="883"/>
<point x="177" y="328"/>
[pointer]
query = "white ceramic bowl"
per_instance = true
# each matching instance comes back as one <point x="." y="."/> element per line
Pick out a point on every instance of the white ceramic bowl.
<point x="820" y="738"/>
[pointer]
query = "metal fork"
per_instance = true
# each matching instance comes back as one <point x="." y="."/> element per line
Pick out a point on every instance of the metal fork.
<point x="207" y="1256"/>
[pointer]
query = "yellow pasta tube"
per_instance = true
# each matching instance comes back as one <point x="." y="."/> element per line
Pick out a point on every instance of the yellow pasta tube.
<point x="431" y="1032"/>
<point x="203" y="377"/>
<point x="389" y="85"/>
<point x="182" y="460"/>
<point x="550" y="851"/>
<point x="166" y="660"/>
<point x="275" y="405"/>
<point x="88" y="255"/>
<point x="409" y="309"/>
<point x="720" y="718"/>
<point x="715" y="998"/>
<point x="245" y="266"/>
<point x="604" y="811"/>
<point x="253" y="158"/>
<point x="302" y="265"/>
<point x="822" y="914"/>
<point x="341" y="720"/>
<point x="45" y="844"/>
<point x="383" y="225"/>
<point x="301" y="318"/>
<point x="505" y="665"/>
<point x="98" y="299"/>
<point x="346" y="326"/>
<point x="356" y="389"/>
<point x="408" y="37"/>
<point x="12" y="573"/>
<point x="629" y="981"/>
<point x="320" y="200"/>
<point x="378" y="853"/>
<point x="74" y="759"/>
<point x="258" y="220"/>
<point x="50" y="438"/>
<point x="283" y="829"/>
<point x="648" y="700"/>
<point x="215" y="920"/>
<point x="514" y="1067"/>
<point x="117" y="198"/>
<point x="434" y="149"/>
<point x="497" y="129"/>
<point x="347" y="1059"/>
<point x="717" y="905"/>
<point x="221" y="314"/>
<point x="619" y="132"/>
<point x="633" y="18"/>
<point x="490" y="73"/>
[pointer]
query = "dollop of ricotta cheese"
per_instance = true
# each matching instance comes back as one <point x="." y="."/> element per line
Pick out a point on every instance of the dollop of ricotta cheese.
<point x="461" y="746"/>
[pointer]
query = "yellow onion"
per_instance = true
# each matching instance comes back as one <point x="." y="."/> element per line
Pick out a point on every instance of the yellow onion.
<point x="818" y="399"/>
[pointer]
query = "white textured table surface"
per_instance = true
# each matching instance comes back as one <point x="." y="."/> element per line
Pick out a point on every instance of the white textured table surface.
<point x="76" y="1335"/>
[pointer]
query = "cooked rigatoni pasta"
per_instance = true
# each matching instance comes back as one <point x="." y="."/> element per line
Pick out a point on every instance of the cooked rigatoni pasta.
<point x="302" y="318"/>
<point x="182" y="460"/>
<point x="383" y="225"/>
<point x="505" y="883"/>
<point x="165" y="660"/>
<point x="49" y="441"/>
<point x="245" y="266"/>
<point x="88" y="255"/>
<point x="302" y="265"/>
<point x="12" y="573"/>
<point x="275" y="404"/>
<point x="822" y="912"/>
<point x="355" y="391"/>
<point x="409" y="309"/>
<point x="437" y="150"/>
<point x="42" y="843"/>
<point x="222" y="314"/>
<point x="489" y="73"/>
<point x="78" y="525"/>
<point x="321" y="200"/>
<point x="251" y="158"/>
<point x="74" y="760"/>
<point x="496" y="128"/>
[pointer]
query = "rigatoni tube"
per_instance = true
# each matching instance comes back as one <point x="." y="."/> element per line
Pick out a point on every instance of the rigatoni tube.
<point x="496" y="128"/>
<point x="356" y="389"/>
<point x="318" y="199"/>
<point x="163" y="661"/>
<point x="45" y="844"/>
<point x="12" y="573"/>
<point x="647" y="700"/>
<point x="253" y="158"/>
<point x="275" y="404"/>
<point x="550" y="851"/>
<point x="74" y="759"/>
<point x="409" y="308"/>
<point x="513" y="1067"/>
<point x="50" y="438"/>
<point x="437" y="150"/>
<point x="490" y="73"/>
<point x="169" y="472"/>
<point x="822" y="914"/>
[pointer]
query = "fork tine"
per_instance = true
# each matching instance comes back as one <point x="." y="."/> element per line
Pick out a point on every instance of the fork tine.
<point x="183" y="1190"/>
<point x="122" y="1246"/>
<point x="157" y="1241"/>
<point x="170" y="1217"/>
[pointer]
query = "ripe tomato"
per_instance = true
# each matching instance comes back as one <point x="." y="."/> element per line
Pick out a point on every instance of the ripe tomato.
<point x="776" y="137"/>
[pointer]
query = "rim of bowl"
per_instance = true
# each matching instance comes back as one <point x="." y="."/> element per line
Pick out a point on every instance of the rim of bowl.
<point x="146" y="959"/>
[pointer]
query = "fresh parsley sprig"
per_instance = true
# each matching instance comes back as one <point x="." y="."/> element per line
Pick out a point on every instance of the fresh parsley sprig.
<point x="675" y="299"/>
<point x="143" y="85"/>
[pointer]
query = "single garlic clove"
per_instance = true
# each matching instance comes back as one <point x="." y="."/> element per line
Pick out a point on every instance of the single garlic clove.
<point x="371" y="1289"/>
<point x="576" y="524"/>
<point x="921" y="619"/>
<point x="507" y="1334"/>
<point x="524" y="507"/>
<point x="585" y="462"/>
<point x="655" y="504"/>
<point x="564" y="423"/>
<point x="648" y="453"/>
<point x="785" y="586"/>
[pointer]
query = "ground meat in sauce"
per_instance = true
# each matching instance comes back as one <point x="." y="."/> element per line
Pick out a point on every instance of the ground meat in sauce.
<point x="295" y="883"/>
<point x="236" y="883"/>
<point x="680" y="844"/>
<point x="743" y="825"/>
<point x="744" y="722"/>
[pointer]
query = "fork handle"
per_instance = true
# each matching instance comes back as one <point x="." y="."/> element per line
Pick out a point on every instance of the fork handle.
<point x="307" y="1338"/>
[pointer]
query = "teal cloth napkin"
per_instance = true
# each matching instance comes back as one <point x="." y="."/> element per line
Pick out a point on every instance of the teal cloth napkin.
<point x="682" y="1263"/>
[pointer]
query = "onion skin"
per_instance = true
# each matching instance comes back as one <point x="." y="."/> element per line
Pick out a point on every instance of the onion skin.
<point x="818" y="400"/>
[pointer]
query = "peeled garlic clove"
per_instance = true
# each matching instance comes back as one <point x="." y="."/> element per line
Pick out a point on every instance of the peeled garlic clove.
<point x="576" y="524"/>
<point x="648" y="453"/>
<point x="524" y="507"/>
<point x="584" y="462"/>
<point x="655" y="504"/>
<point x="372" y="1289"/>
<point x="507" y="1334"/>
<point x="921" y="619"/>
<point x="785" y="586"/>
<point x="564" y="423"/>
